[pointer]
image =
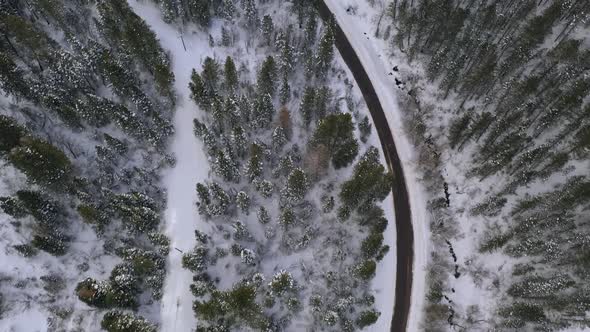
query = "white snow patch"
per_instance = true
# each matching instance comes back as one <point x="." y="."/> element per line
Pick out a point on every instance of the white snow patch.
<point x="31" y="320"/>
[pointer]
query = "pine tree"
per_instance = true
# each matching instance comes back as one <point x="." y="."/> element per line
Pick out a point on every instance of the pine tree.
<point x="325" y="52"/>
<point x="287" y="217"/>
<point x="279" y="138"/>
<point x="254" y="167"/>
<point x="308" y="104"/>
<point x="282" y="282"/>
<point x="52" y="242"/>
<point x="12" y="79"/>
<point x="224" y="166"/>
<point x="197" y="87"/>
<point x="287" y="53"/>
<point x="336" y="133"/>
<point x="365" y="129"/>
<point x="251" y="14"/>
<point x="210" y="76"/>
<point x="264" y="187"/>
<point x="220" y="200"/>
<point x="296" y="187"/>
<point x="285" y="92"/>
<point x="227" y="9"/>
<point x="239" y="142"/>
<point x="137" y="211"/>
<point x="267" y="77"/>
<point x="40" y="207"/>
<point x="310" y="33"/>
<point x="369" y="183"/>
<point x="231" y="76"/>
<point x="243" y="202"/>
<point x="10" y="134"/>
<point x="118" y="321"/>
<point x="366" y="269"/>
<point x="263" y="216"/>
<point x="366" y="318"/>
<point x="226" y="37"/>
<point x="43" y="163"/>
<point x="267" y="29"/>
<point x="263" y="111"/>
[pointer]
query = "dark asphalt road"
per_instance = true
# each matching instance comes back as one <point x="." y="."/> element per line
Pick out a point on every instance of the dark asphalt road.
<point x="403" y="221"/>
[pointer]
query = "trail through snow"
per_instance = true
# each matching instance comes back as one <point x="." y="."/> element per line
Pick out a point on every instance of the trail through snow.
<point x="373" y="60"/>
<point x="191" y="167"/>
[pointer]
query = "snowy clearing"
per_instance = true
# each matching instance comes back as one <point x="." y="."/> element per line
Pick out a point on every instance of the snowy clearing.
<point x="181" y="215"/>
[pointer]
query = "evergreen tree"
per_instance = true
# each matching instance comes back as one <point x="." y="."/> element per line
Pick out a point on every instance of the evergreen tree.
<point x="10" y="134"/>
<point x="51" y="242"/>
<point x="267" y="29"/>
<point x="264" y="187"/>
<point x="285" y="92"/>
<point x="336" y="133"/>
<point x="251" y="14"/>
<point x="267" y="77"/>
<point x="263" y="111"/>
<point x="263" y="216"/>
<point x="231" y="76"/>
<point x="12" y="79"/>
<point x="224" y="166"/>
<point x="118" y="321"/>
<point x="307" y="105"/>
<point x="287" y="53"/>
<point x="43" y="163"/>
<point x="227" y="9"/>
<point x="40" y="207"/>
<point x="226" y="37"/>
<point x="138" y="211"/>
<point x="254" y="167"/>
<point x="279" y="138"/>
<point x="210" y="76"/>
<point x="325" y="51"/>
<point x="239" y="142"/>
<point x="369" y="183"/>
<point x="367" y="318"/>
<point x="365" y="128"/>
<point x="243" y="202"/>
<point x="296" y="187"/>
<point x="282" y="282"/>
<point x="287" y="217"/>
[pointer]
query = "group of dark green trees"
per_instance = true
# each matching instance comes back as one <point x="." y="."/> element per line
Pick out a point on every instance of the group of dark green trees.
<point x="76" y="108"/>
<point x="518" y="72"/>
<point x="271" y="144"/>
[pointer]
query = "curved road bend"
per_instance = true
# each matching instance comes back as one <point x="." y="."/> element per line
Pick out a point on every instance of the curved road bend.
<point x="403" y="221"/>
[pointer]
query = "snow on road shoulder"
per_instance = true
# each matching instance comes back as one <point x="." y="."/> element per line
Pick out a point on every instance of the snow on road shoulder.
<point x="181" y="214"/>
<point x="374" y="61"/>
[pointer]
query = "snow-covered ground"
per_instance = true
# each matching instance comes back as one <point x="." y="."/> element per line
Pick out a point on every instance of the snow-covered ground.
<point x="372" y="55"/>
<point x="191" y="167"/>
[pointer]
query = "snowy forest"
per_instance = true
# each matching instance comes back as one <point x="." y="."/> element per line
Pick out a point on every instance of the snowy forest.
<point x="496" y="97"/>
<point x="289" y="223"/>
<point x="213" y="165"/>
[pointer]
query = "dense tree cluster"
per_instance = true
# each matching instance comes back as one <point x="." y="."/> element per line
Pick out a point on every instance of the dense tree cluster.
<point x="273" y="145"/>
<point x="517" y="75"/>
<point x="86" y="129"/>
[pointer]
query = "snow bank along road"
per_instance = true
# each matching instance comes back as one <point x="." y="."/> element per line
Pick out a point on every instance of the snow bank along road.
<point x="367" y="72"/>
<point x="181" y="214"/>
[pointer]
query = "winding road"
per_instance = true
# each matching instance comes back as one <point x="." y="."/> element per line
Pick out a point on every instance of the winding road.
<point x="403" y="221"/>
